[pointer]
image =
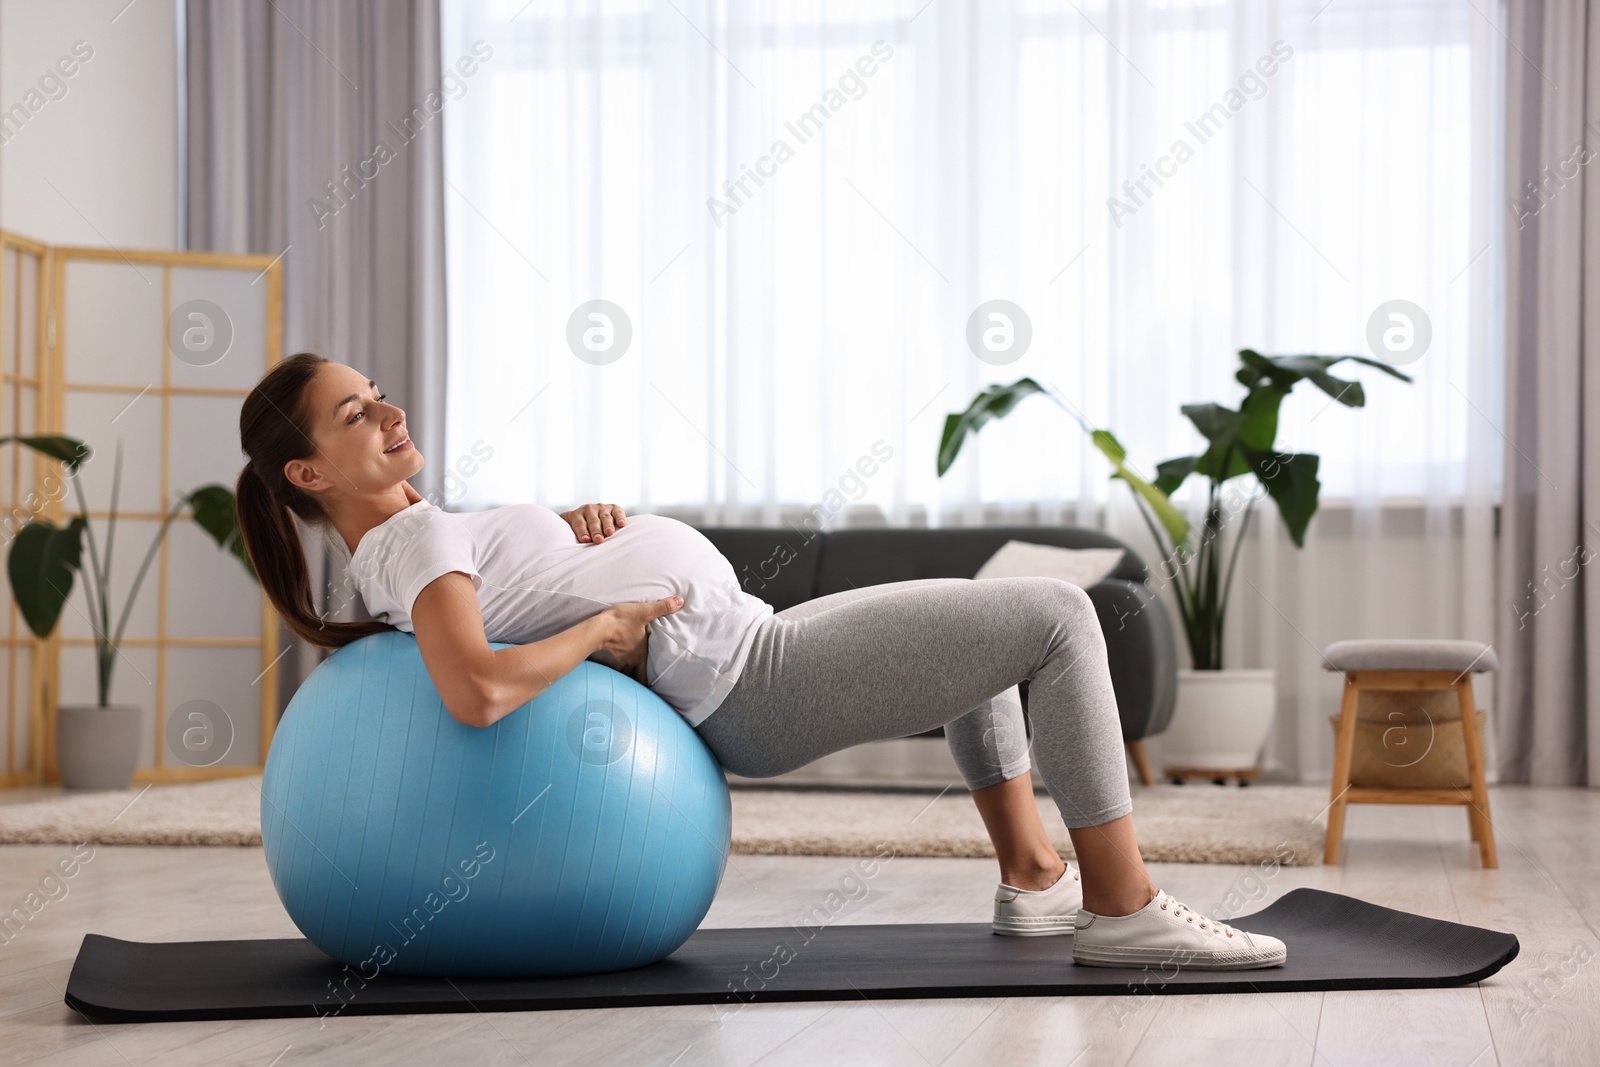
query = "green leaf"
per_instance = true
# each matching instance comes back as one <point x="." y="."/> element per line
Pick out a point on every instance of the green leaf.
<point x="1291" y="480"/>
<point x="1224" y="428"/>
<point x="1260" y="370"/>
<point x="1347" y="392"/>
<point x="1172" y="519"/>
<point x="1209" y="462"/>
<point x="1258" y="425"/>
<point x="68" y="450"/>
<point x="1284" y="371"/>
<point x="1216" y="423"/>
<point x="216" y="512"/>
<point x="1174" y="472"/>
<point x="1306" y="363"/>
<point x="995" y="402"/>
<point x="41" y="565"/>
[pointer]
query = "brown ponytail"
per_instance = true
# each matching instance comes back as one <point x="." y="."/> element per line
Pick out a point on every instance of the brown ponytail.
<point x="272" y="431"/>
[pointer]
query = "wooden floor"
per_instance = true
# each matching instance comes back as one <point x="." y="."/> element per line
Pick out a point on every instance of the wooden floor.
<point x="1543" y="1008"/>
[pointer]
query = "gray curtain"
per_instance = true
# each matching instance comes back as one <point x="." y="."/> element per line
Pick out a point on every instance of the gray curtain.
<point x="314" y="131"/>
<point x="1549" y="679"/>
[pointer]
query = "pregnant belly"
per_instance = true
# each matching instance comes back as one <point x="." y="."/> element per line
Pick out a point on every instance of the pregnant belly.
<point x="654" y="557"/>
<point x="649" y="559"/>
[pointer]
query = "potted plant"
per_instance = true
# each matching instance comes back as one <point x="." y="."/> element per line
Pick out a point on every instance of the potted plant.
<point x="97" y="745"/>
<point x="1222" y="716"/>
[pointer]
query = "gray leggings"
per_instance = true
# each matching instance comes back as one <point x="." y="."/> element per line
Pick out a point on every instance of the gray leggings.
<point x="892" y="660"/>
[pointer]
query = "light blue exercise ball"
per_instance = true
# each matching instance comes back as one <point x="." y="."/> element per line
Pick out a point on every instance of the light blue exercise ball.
<point x="587" y="831"/>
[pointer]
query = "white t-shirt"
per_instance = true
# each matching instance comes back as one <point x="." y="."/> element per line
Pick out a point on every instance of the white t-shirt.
<point x="535" y="579"/>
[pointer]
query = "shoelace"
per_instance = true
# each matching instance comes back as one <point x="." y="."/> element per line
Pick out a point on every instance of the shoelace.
<point x="1181" y="910"/>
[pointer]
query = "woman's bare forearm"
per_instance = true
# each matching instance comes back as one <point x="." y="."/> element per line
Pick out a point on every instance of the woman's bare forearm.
<point x="621" y="633"/>
<point x="518" y="674"/>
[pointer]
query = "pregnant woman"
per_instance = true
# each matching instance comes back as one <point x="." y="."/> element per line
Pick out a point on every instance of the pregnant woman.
<point x="766" y="692"/>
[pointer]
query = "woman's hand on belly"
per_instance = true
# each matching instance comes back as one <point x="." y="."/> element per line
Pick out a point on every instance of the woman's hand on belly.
<point x="593" y="523"/>
<point x="636" y="672"/>
<point x="625" y="642"/>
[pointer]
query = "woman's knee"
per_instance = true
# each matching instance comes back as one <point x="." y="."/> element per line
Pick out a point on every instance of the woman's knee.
<point x="1062" y="599"/>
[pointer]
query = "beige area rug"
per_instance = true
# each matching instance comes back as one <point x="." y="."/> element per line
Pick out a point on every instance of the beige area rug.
<point x="1182" y="824"/>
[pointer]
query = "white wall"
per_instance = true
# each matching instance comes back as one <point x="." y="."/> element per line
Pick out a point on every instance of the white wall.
<point x="89" y="159"/>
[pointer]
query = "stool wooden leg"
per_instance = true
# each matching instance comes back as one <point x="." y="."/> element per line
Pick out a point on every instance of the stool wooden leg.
<point x="1478" y="813"/>
<point x="1343" y="748"/>
<point x="1141" y="762"/>
<point x="1474" y="824"/>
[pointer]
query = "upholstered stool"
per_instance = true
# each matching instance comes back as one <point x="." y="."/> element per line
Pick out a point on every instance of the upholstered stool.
<point x="1415" y="666"/>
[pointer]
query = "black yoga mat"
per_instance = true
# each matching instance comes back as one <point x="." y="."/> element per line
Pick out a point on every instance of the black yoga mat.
<point x="1335" y="942"/>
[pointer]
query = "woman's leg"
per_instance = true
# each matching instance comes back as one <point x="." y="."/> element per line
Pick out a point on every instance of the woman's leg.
<point x="989" y="745"/>
<point x="1121" y="885"/>
<point x="915" y="655"/>
<point x="1028" y="858"/>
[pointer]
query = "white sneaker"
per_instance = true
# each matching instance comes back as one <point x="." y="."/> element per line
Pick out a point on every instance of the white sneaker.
<point x="1166" y="933"/>
<point x="1039" y="912"/>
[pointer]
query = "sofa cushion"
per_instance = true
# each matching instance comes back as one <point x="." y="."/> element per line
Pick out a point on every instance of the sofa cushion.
<point x="853" y="558"/>
<point x="1083" y="567"/>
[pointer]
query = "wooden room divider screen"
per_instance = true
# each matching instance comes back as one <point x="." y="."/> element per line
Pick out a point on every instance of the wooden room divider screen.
<point x="152" y="351"/>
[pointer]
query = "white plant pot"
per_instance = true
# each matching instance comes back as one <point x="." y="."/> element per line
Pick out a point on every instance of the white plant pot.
<point x="1221" y="719"/>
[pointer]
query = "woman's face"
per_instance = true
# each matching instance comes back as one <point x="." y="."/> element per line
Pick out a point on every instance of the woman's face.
<point x="353" y="431"/>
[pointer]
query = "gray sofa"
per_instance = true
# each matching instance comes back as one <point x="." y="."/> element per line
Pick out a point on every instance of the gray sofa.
<point x="785" y="566"/>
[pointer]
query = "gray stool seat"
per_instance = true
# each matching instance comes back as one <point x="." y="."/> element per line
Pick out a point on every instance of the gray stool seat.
<point x="1409" y="654"/>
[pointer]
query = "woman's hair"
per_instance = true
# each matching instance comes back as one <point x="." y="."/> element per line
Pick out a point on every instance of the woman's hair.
<point x="273" y="430"/>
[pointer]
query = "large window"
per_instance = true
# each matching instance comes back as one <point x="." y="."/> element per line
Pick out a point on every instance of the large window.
<point x="792" y="212"/>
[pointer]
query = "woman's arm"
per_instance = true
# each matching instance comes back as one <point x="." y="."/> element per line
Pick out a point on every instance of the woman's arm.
<point x="480" y="685"/>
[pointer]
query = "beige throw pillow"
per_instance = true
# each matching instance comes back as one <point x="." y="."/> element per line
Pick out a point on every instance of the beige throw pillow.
<point x="1082" y="567"/>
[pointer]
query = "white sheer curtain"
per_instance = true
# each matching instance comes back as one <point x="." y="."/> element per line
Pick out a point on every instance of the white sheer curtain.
<point x="797" y="207"/>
